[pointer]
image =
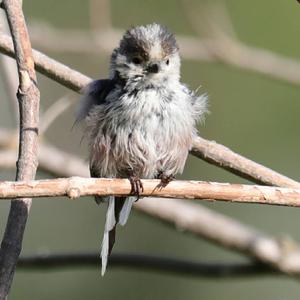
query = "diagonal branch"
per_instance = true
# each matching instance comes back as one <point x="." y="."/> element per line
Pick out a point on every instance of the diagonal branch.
<point x="28" y="97"/>
<point x="49" y="67"/>
<point x="227" y="159"/>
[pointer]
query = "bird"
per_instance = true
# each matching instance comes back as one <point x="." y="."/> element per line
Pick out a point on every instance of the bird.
<point x="141" y="121"/>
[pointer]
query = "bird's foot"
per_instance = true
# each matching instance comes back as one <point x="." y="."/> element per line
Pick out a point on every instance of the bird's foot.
<point x="164" y="179"/>
<point x="136" y="186"/>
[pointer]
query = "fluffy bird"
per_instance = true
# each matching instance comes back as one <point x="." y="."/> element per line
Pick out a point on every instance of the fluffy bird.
<point x="140" y="122"/>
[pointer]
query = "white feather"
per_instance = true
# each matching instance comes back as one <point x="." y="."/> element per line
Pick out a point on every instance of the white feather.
<point x="104" y="253"/>
<point x="110" y="215"/>
<point x="124" y="214"/>
<point x="109" y="225"/>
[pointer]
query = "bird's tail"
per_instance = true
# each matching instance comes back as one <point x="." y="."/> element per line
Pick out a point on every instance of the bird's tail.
<point x="117" y="213"/>
<point x="110" y="224"/>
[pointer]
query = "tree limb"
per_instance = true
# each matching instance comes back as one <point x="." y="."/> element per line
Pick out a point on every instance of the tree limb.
<point x="76" y="187"/>
<point x="227" y="159"/>
<point x="28" y="97"/>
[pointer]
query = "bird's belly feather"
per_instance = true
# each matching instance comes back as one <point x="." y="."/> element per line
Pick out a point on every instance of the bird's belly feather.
<point x="154" y="136"/>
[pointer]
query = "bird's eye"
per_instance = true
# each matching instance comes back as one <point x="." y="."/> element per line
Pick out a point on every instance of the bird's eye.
<point x="137" y="60"/>
<point x="167" y="62"/>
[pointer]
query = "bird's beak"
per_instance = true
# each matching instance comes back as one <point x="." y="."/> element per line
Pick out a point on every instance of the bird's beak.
<point x="153" y="68"/>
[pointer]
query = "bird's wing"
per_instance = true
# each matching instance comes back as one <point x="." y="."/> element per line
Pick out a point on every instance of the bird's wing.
<point x="94" y="93"/>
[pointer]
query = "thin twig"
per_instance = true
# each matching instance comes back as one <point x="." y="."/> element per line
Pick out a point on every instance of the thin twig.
<point x="144" y="262"/>
<point x="75" y="187"/>
<point x="28" y="97"/>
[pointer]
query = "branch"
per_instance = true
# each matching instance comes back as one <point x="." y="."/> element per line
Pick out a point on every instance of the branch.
<point x="76" y="187"/>
<point x="28" y="97"/>
<point x="143" y="262"/>
<point x="225" y="158"/>
<point x="49" y="67"/>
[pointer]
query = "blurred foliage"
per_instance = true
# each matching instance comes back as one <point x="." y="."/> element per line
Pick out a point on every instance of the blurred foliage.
<point x="254" y="115"/>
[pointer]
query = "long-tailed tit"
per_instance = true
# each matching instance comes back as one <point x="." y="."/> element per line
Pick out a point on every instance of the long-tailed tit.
<point x="140" y="122"/>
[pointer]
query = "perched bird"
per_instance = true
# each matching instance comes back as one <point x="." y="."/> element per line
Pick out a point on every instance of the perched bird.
<point x="140" y="122"/>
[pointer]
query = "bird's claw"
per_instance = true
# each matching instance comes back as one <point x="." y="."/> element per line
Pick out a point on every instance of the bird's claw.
<point x="136" y="186"/>
<point x="165" y="179"/>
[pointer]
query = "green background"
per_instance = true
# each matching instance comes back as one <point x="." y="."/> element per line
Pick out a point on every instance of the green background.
<point x="252" y="114"/>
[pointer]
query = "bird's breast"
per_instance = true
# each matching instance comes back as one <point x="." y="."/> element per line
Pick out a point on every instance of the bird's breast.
<point x="160" y="118"/>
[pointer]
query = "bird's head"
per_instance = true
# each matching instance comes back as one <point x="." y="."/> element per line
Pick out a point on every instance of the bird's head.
<point x="147" y="56"/>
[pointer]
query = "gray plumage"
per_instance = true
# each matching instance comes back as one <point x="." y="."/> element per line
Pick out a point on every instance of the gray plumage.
<point x="142" y="120"/>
